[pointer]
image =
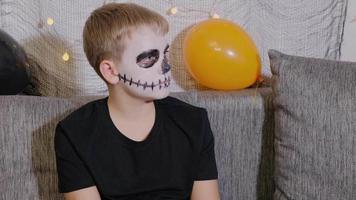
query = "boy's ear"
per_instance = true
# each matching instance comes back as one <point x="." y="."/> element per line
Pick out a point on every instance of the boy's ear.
<point x="109" y="71"/>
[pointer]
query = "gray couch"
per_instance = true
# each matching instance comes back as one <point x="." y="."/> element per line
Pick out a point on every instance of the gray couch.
<point x="242" y="123"/>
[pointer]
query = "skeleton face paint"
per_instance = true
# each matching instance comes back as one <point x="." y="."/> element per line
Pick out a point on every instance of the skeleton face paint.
<point x="144" y="70"/>
<point x="165" y="65"/>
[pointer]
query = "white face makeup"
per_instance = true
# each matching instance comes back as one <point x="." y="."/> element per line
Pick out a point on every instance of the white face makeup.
<point x="144" y="70"/>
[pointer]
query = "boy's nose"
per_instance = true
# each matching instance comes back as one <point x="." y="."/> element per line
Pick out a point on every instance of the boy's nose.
<point x="165" y="65"/>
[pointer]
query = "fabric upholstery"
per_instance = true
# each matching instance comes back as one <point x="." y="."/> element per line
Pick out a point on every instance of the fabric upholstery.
<point x="241" y="122"/>
<point x="306" y="28"/>
<point x="315" y="137"/>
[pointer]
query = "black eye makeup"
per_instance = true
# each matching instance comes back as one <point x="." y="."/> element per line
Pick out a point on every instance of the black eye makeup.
<point x="165" y="65"/>
<point x="166" y="50"/>
<point x="148" y="58"/>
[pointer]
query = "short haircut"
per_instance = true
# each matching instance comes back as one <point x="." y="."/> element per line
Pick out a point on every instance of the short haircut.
<point x="108" y="26"/>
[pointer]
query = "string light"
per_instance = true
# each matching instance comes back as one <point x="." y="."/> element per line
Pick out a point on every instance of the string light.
<point x="214" y="16"/>
<point x="173" y="10"/>
<point x="50" y="21"/>
<point x="65" y="57"/>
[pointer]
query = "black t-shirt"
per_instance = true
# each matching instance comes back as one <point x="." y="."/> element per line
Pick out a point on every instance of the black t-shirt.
<point x="179" y="149"/>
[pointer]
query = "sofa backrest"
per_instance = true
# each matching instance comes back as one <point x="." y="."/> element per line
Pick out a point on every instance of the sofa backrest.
<point x="241" y="121"/>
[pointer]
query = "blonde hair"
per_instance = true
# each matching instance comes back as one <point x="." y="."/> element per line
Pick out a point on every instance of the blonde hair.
<point x="107" y="28"/>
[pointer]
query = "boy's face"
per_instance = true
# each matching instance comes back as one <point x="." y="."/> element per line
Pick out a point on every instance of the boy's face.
<point x="144" y="70"/>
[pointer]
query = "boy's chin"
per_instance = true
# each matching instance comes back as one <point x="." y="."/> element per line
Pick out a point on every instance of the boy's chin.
<point x="149" y="95"/>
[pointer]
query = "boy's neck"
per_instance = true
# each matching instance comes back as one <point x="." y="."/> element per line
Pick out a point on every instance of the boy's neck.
<point x="128" y="107"/>
<point x="133" y="117"/>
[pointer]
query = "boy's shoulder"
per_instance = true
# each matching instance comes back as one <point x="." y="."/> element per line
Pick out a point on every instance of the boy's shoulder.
<point x="181" y="110"/>
<point x="187" y="116"/>
<point x="175" y="103"/>
<point x="86" y="111"/>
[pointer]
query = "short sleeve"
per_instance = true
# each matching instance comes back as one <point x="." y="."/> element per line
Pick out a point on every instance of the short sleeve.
<point x="72" y="172"/>
<point x="206" y="169"/>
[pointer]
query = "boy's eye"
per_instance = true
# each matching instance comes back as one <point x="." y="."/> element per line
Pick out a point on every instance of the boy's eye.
<point x="148" y="58"/>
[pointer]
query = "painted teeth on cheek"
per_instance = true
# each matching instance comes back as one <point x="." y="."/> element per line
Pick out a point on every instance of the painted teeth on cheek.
<point x="166" y="82"/>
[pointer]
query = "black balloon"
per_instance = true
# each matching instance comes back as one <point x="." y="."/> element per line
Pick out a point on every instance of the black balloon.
<point x="14" y="76"/>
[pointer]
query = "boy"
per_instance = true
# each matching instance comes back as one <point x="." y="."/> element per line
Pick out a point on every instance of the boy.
<point x="137" y="143"/>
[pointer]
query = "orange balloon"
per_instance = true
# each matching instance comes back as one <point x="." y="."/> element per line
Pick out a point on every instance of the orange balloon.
<point x="219" y="54"/>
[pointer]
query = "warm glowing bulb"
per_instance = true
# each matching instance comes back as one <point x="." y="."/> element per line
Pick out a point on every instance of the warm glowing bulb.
<point x="50" y="21"/>
<point x="214" y="16"/>
<point x="65" y="56"/>
<point x="173" y="11"/>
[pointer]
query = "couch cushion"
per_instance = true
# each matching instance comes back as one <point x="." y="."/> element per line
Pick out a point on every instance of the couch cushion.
<point x="242" y="123"/>
<point x="238" y="120"/>
<point x="315" y="138"/>
<point x="27" y="159"/>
